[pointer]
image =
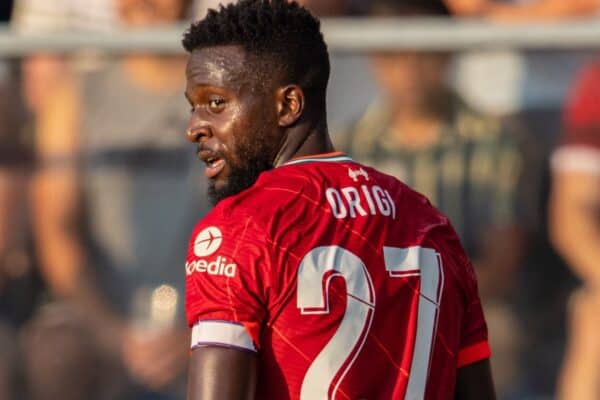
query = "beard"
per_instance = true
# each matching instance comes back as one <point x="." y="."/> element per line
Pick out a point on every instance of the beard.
<point x="242" y="175"/>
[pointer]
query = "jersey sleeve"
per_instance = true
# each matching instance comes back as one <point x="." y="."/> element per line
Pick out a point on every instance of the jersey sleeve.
<point x="579" y="147"/>
<point x="583" y="102"/>
<point x="474" y="345"/>
<point x="226" y="281"/>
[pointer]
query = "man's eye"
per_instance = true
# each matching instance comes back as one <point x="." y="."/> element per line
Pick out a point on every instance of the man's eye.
<point x="216" y="104"/>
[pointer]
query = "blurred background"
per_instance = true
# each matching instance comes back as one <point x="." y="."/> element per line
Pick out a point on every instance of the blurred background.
<point x="489" y="107"/>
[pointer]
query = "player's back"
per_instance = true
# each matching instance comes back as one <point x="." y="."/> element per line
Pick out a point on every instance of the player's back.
<point x="348" y="283"/>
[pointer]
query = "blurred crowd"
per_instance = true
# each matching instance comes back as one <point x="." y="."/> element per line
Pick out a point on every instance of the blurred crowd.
<point x="99" y="191"/>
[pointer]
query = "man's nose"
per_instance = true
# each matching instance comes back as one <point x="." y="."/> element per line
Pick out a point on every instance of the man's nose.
<point x="196" y="132"/>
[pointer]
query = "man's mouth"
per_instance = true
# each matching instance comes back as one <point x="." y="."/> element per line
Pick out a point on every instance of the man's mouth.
<point x="214" y="163"/>
<point x="213" y="167"/>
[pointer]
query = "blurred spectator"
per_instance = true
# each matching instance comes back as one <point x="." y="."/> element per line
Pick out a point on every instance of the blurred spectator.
<point x="115" y="198"/>
<point x="40" y="71"/>
<point x="16" y="157"/>
<point x="15" y="265"/>
<point x="469" y="165"/>
<point x="534" y="10"/>
<point x="534" y="83"/>
<point x="575" y="229"/>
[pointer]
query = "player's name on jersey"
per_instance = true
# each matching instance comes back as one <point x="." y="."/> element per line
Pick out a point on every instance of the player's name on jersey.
<point x="220" y="266"/>
<point x="353" y="202"/>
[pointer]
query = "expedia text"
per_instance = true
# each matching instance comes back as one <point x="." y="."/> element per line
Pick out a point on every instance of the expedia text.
<point x="219" y="267"/>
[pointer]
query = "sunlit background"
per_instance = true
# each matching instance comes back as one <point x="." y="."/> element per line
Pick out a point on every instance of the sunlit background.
<point x="489" y="107"/>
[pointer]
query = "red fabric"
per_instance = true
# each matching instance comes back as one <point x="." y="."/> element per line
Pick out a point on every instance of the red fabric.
<point x="582" y="111"/>
<point x="472" y="354"/>
<point x="269" y="229"/>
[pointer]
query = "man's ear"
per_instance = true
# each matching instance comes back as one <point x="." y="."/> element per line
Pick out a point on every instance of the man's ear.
<point x="290" y="104"/>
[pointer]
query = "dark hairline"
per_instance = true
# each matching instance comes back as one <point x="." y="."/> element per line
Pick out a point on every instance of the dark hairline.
<point x="286" y="36"/>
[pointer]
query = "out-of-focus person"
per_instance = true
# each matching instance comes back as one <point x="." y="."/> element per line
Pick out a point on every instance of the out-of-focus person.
<point x="114" y="201"/>
<point x="468" y="164"/>
<point x="16" y="158"/>
<point x="41" y="70"/>
<point x="575" y="231"/>
<point x="532" y="10"/>
<point x="17" y="291"/>
<point x="536" y="82"/>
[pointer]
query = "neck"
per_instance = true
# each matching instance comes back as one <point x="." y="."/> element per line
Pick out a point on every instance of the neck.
<point x="305" y="139"/>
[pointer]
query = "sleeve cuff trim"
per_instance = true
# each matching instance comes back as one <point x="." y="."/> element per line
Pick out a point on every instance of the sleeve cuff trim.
<point x="577" y="159"/>
<point x="473" y="353"/>
<point x="221" y="333"/>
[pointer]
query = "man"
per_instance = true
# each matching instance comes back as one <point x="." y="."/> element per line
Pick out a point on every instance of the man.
<point x="575" y="231"/>
<point x="314" y="276"/>
<point x="16" y="274"/>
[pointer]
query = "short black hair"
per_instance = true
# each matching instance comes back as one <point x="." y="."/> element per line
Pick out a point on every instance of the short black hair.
<point x="281" y="35"/>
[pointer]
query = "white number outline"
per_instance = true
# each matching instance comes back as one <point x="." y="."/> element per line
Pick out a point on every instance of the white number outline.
<point x="343" y="348"/>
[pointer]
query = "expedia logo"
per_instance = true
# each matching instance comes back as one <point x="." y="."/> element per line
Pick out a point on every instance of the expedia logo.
<point x="218" y="267"/>
<point x="208" y="241"/>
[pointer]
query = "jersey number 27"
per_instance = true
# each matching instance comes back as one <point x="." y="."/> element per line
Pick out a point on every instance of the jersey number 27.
<point x="343" y="348"/>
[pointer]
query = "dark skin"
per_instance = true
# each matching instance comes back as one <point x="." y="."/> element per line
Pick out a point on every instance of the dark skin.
<point x="242" y="125"/>
<point x="474" y="382"/>
<point x="232" y="117"/>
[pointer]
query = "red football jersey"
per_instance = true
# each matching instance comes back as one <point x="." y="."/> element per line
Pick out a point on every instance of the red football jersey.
<point x="348" y="285"/>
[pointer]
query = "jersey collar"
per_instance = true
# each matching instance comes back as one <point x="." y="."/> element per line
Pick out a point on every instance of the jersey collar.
<point x="336" y="156"/>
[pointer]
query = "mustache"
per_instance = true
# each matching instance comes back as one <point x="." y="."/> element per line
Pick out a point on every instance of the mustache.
<point x="203" y="147"/>
<point x="205" y="151"/>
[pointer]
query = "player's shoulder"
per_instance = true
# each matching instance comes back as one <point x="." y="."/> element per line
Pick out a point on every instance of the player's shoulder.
<point x="409" y="200"/>
<point x="232" y="214"/>
<point x="309" y="179"/>
<point x="228" y="231"/>
<point x="251" y="209"/>
<point x="302" y="186"/>
<point x="415" y="210"/>
<point x="297" y="181"/>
